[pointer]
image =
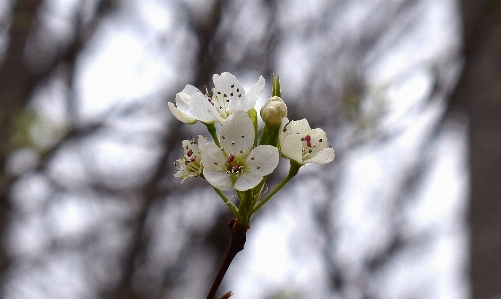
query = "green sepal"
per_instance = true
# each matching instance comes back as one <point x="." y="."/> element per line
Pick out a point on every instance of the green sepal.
<point x="245" y="208"/>
<point x="253" y="115"/>
<point x="275" y="86"/>
<point x="269" y="135"/>
<point x="212" y="130"/>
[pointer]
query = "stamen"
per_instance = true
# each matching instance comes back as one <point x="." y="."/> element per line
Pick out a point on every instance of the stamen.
<point x="230" y="158"/>
<point x="308" y="140"/>
<point x="285" y="127"/>
<point x="189" y="153"/>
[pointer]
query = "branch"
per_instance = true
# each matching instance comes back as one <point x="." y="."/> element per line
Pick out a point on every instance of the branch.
<point x="237" y="242"/>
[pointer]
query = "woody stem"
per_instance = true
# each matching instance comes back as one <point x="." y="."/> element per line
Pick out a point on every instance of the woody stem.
<point x="237" y="242"/>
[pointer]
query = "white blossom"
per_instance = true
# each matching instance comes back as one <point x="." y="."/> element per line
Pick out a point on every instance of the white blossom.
<point x="238" y="163"/>
<point x="302" y="144"/>
<point x="190" y="165"/>
<point x="228" y="96"/>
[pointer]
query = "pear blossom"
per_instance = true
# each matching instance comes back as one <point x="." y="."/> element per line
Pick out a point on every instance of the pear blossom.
<point x="302" y="144"/>
<point x="228" y="96"/>
<point x="238" y="163"/>
<point x="190" y="165"/>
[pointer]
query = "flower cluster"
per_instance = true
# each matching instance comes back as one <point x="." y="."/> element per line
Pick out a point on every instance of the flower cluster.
<point x="236" y="159"/>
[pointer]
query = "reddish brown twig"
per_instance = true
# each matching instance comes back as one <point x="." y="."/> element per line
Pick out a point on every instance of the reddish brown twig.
<point x="227" y="295"/>
<point x="237" y="242"/>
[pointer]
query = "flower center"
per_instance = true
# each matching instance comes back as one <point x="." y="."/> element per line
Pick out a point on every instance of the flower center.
<point x="307" y="145"/>
<point x="222" y="100"/>
<point x="234" y="165"/>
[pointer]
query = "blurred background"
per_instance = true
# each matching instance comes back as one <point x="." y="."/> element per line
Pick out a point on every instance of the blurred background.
<point x="408" y="92"/>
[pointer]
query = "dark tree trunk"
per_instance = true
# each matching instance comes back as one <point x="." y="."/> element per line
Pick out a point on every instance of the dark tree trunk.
<point x="479" y="93"/>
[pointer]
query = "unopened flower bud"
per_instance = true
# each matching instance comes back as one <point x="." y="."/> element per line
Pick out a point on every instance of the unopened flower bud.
<point x="273" y="111"/>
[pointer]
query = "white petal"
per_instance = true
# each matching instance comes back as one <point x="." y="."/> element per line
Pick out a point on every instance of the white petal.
<point x="283" y="134"/>
<point x="202" y="109"/>
<point x="319" y="139"/>
<point x="230" y="92"/>
<point x="324" y="156"/>
<point x="237" y="133"/>
<point x="247" y="181"/>
<point x="213" y="157"/>
<point x="263" y="159"/>
<point x="190" y="89"/>
<point x="183" y="101"/>
<point x="215" y="79"/>
<point x="218" y="179"/>
<point x="300" y="127"/>
<point x="202" y="141"/>
<point x="180" y="115"/>
<point x="291" y="147"/>
<point x="213" y="161"/>
<point x="253" y="94"/>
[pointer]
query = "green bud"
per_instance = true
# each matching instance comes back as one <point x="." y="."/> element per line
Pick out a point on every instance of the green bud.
<point x="273" y="111"/>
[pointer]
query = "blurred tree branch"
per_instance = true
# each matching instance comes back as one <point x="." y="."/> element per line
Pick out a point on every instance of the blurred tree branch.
<point x="16" y="84"/>
<point x="479" y="93"/>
